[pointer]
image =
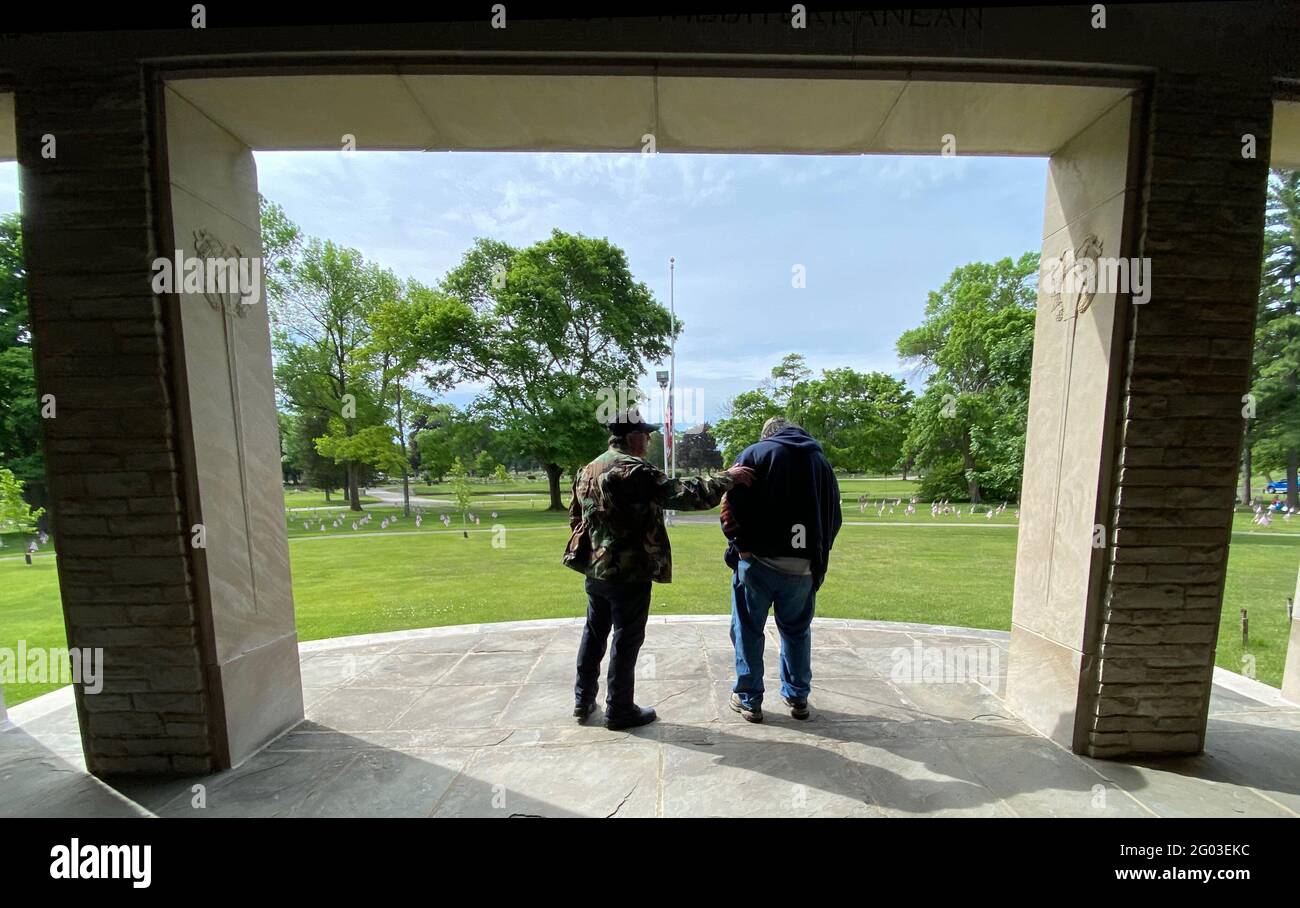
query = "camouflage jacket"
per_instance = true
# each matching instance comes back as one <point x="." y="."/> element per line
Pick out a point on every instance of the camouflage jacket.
<point x="617" y="517"/>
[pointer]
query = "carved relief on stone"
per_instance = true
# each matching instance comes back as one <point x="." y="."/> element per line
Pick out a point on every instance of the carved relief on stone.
<point x="209" y="247"/>
<point x="1074" y="279"/>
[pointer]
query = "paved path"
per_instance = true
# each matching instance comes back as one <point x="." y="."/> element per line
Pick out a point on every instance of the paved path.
<point x="475" y="721"/>
<point x="388" y="498"/>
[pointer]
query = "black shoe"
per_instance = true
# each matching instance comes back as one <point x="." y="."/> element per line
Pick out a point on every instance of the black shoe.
<point x="751" y="713"/>
<point x="583" y="711"/>
<point x="798" y="707"/>
<point x="633" y="718"/>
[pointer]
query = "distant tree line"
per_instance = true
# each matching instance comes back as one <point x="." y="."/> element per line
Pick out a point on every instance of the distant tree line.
<point x="361" y="357"/>
<point x="359" y="354"/>
<point x="964" y="434"/>
<point x="1272" y="424"/>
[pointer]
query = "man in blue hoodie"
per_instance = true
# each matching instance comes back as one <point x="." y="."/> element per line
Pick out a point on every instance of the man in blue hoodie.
<point x="779" y="531"/>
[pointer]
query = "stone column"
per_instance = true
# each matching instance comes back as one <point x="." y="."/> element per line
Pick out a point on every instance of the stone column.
<point x="1186" y="374"/>
<point x="243" y="571"/>
<point x="130" y="458"/>
<point x="100" y="341"/>
<point x="1123" y="664"/>
<point x="1291" y="675"/>
<point x="1078" y="346"/>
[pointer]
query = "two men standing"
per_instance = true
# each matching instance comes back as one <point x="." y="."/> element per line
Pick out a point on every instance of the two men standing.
<point x="780" y="514"/>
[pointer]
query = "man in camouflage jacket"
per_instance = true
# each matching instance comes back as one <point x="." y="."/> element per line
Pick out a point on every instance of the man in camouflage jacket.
<point x="619" y="542"/>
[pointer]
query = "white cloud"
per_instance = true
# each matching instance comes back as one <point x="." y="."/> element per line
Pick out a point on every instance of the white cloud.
<point x="915" y="174"/>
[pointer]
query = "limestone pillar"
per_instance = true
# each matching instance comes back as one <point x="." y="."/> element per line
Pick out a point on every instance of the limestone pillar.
<point x="113" y="449"/>
<point x="198" y="672"/>
<point x="244" y="587"/>
<point x="1291" y="675"/>
<point x="1113" y="649"/>
<point x="1078" y="345"/>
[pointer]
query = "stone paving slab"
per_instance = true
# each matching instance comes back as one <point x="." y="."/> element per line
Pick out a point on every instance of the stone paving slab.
<point x="37" y="782"/>
<point x="616" y="777"/>
<point x="476" y="721"/>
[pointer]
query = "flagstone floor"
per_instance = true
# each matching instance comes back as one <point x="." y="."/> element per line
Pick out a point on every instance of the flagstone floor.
<point x="474" y="721"/>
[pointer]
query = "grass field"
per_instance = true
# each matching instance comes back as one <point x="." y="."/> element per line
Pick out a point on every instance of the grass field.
<point x="946" y="570"/>
<point x="311" y="498"/>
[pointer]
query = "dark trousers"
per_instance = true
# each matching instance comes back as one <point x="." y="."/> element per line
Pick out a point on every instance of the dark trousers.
<point x="625" y="607"/>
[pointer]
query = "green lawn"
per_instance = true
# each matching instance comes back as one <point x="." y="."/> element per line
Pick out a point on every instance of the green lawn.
<point x="312" y="498"/>
<point x="850" y="488"/>
<point x="515" y="486"/>
<point x="947" y="570"/>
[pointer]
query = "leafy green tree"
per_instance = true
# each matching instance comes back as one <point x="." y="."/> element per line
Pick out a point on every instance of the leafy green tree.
<point x="450" y="434"/>
<point x="16" y="515"/>
<point x="484" y="464"/>
<point x="787" y="376"/>
<point x="861" y="418"/>
<point x="697" y="450"/>
<point x="323" y="345"/>
<point x="500" y="474"/>
<point x="373" y="446"/>
<point x="743" y="419"/>
<point x="299" y="432"/>
<point x="545" y="329"/>
<point x="20" y="421"/>
<point x="401" y="312"/>
<point x="654" y="451"/>
<point x="1274" y="435"/>
<point x="281" y="249"/>
<point x="461" y="490"/>
<point x="976" y="345"/>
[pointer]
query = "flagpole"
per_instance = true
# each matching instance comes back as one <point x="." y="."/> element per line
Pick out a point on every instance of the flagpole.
<point x="672" y="363"/>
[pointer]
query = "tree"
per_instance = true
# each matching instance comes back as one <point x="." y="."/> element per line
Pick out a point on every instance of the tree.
<point x="545" y="330"/>
<point x="484" y="464"/>
<point x="976" y="345"/>
<point x="654" y="451"/>
<point x="394" y="355"/>
<point x="373" y="446"/>
<point x="500" y="474"/>
<point x="744" y="415"/>
<point x="452" y="434"/>
<point x="281" y="248"/>
<point x="1274" y="435"/>
<point x="344" y="335"/>
<point x="743" y="419"/>
<point x="299" y="432"/>
<point x="16" y="515"/>
<point x="787" y="376"/>
<point x="463" y="493"/>
<point x="20" y="421"/>
<point x="323" y="348"/>
<point x="860" y="418"/>
<point x="697" y="450"/>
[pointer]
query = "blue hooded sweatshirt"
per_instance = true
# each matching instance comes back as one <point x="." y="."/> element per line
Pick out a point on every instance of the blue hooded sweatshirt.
<point x="793" y="507"/>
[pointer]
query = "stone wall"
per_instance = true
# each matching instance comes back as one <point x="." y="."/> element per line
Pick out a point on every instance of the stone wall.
<point x="1185" y="372"/>
<point x="102" y="349"/>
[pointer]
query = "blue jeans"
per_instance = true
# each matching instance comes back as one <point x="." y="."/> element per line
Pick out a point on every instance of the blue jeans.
<point x="754" y="589"/>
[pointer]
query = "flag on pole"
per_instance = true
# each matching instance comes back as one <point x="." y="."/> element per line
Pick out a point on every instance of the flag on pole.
<point x="668" y="425"/>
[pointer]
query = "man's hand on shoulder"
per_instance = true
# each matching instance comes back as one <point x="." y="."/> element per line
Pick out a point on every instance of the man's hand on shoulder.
<point x="742" y="476"/>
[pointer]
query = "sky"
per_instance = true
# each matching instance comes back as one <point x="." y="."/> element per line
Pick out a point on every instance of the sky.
<point x="873" y="234"/>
